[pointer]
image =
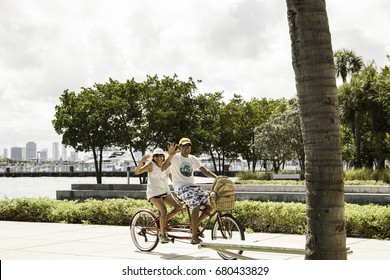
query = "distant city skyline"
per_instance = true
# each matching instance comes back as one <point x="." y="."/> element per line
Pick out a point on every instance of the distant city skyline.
<point x="31" y="151"/>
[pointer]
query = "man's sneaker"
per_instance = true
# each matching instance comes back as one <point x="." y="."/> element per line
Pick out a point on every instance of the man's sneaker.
<point x="196" y="240"/>
<point x="163" y="238"/>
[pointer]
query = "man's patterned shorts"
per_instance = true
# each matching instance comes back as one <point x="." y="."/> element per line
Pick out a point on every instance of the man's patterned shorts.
<point x="192" y="195"/>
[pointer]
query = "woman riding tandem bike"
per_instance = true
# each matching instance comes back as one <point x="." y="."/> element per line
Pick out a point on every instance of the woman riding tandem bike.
<point x="146" y="225"/>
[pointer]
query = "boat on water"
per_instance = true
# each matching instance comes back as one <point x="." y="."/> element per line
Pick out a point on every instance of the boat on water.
<point x="113" y="161"/>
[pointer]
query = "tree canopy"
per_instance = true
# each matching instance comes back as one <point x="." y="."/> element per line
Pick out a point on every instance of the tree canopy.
<point x="364" y="107"/>
<point x="280" y="138"/>
<point x="140" y="116"/>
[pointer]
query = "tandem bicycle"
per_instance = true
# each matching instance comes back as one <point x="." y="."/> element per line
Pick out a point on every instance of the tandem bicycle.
<point x="145" y="228"/>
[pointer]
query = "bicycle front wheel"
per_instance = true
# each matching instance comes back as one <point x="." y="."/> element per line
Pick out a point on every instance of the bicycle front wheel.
<point x="228" y="227"/>
<point x="144" y="230"/>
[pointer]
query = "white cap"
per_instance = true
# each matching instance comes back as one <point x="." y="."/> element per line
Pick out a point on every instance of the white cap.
<point x="158" y="151"/>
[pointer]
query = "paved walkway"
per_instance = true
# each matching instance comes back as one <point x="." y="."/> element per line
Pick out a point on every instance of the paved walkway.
<point x="46" y="241"/>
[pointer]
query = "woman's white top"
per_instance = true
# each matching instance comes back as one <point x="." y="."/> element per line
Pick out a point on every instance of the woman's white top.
<point x="157" y="182"/>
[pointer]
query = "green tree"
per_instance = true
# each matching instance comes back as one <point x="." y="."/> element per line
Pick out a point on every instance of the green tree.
<point x="86" y="120"/>
<point x="234" y="127"/>
<point x="229" y="134"/>
<point x="129" y="115"/>
<point x="254" y="113"/>
<point x="348" y="149"/>
<point x="273" y="143"/>
<point x="280" y="138"/>
<point x="291" y="120"/>
<point x="173" y="114"/>
<point x="378" y="107"/>
<point x="166" y="112"/>
<point x="207" y="111"/>
<point x="315" y="78"/>
<point x="347" y="62"/>
<point x="351" y="100"/>
<point x="382" y="86"/>
<point x="364" y="109"/>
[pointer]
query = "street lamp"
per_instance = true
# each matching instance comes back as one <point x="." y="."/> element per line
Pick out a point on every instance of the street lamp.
<point x="251" y="134"/>
<point x="253" y="150"/>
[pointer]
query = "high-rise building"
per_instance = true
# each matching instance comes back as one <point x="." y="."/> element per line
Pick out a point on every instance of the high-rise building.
<point x="5" y="153"/>
<point x="31" y="150"/>
<point x="64" y="153"/>
<point x="74" y="156"/>
<point x="43" y="154"/>
<point x="17" y="153"/>
<point x="56" y="151"/>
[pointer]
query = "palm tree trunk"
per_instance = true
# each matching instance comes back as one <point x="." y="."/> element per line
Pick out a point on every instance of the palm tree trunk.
<point x="315" y="77"/>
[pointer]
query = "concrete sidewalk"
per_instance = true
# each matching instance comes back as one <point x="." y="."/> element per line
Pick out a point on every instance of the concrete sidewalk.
<point x="51" y="241"/>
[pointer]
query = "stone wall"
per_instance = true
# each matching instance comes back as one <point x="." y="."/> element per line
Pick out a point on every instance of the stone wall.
<point x="287" y="193"/>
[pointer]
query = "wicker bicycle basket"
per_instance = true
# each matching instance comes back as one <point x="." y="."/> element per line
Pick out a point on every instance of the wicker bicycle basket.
<point x="222" y="195"/>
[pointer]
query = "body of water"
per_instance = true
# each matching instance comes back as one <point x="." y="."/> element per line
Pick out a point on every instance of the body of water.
<point x="47" y="186"/>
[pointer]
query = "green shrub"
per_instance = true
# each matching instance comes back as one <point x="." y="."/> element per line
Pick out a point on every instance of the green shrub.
<point x="367" y="221"/>
<point x="271" y="182"/>
<point x="111" y="211"/>
<point x="382" y="175"/>
<point x="250" y="175"/>
<point x="66" y="212"/>
<point x="351" y="177"/>
<point x="363" y="221"/>
<point x="358" y="174"/>
<point x="365" y="174"/>
<point x="27" y="209"/>
<point x="274" y="217"/>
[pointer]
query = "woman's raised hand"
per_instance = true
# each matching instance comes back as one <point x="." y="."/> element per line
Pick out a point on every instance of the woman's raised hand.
<point x="145" y="158"/>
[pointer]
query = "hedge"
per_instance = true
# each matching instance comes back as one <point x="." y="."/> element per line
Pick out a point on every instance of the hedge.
<point x="363" y="221"/>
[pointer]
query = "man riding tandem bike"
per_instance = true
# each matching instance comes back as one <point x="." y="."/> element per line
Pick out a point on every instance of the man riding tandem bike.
<point x="197" y="205"/>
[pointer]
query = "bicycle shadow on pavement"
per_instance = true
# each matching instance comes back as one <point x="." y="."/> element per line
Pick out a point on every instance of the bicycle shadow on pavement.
<point x="189" y="253"/>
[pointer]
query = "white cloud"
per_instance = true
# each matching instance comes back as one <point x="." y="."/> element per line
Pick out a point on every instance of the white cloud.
<point x="235" y="46"/>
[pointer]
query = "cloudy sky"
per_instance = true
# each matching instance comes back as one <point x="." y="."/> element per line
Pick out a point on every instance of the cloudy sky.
<point x="235" y="46"/>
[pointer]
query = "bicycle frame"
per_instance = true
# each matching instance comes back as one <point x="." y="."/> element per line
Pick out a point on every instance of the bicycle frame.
<point x="145" y="228"/>
<point x="172" y="229"/>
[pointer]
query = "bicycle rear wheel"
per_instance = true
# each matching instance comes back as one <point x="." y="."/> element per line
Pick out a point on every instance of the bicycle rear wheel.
<point x="144" y="230"/>
<point x="227" y="227"/>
